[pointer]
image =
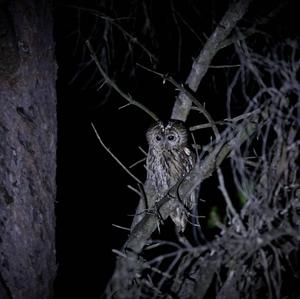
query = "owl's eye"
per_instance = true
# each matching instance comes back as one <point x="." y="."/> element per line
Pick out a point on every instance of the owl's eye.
<point x="171" y="137"/>
<point x="158" y="138"/>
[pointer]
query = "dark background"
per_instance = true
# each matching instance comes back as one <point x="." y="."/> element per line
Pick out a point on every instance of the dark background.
<point x="92" y="188"/>
<point x="92" y="192"/>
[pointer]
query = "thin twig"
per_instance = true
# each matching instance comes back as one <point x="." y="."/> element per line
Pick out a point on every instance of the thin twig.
<point x="182" y="89"/>
<point x="119" y="253"/>
<point x="137" y="162"/>
<point x="115" y="158"/>
<point x="228" y="200"/>
<point x="128" y="98"/>
<point x="223" y="66"/>
<point x="226" y="121"/>
<point x="121" y="227"/>
<point x="143" y="151"/>
<point x="114" y="22"/>
<point x="201" y="64"/>
<point x="253" y="30"/>
<point x="134" y="190"/>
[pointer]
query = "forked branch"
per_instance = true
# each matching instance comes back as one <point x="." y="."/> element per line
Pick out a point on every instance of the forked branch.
<point x="108" y="80"/>
<point x="201" y="64"/>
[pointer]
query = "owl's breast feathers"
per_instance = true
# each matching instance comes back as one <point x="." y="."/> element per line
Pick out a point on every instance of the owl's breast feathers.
<point x="165" y="168"/>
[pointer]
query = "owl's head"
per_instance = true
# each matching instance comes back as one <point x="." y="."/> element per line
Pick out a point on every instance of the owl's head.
<point x="167" y="136"/>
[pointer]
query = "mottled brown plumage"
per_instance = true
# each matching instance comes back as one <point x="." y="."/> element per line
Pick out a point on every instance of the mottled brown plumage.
<point x="169" y="159"/>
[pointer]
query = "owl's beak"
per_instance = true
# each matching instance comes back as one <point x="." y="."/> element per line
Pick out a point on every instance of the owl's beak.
<point x="164" y="145"/>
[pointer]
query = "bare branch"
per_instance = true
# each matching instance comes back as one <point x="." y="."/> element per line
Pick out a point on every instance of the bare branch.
<point x="115" y="158"/>
<point x="229" y="202"/>
<point x="182" y="89"/>
<point x="121" y="227"/>
<point x="128" y="98"/>
<point x="143" y="229"/>
<point x="201" y="64"/>
<point x="250" y="31"/>
<point x="137" y="162"/>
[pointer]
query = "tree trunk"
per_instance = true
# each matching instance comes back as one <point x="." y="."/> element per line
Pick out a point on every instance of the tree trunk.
<point x="27" y="150"/>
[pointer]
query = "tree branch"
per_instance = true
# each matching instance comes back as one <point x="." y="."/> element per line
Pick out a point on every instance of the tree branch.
<point x="128" y="98"/>
<point x="182" y="89"/>
<point x="144" y="229"/>
<point x="201" y="64"/>
<point x="115" y="158"/>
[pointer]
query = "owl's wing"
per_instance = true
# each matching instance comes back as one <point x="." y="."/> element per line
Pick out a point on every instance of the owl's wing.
<point x="181" y="213"/>
<point x="190" y="159"/>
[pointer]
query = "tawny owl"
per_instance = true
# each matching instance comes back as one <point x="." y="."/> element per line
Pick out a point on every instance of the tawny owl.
<point x="169" y="159"/>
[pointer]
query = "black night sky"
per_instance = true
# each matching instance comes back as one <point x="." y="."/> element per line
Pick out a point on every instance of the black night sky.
<point x="92" y="188"/>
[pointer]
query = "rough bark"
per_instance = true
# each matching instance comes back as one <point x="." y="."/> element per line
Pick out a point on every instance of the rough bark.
<point x="27" y="150"/>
